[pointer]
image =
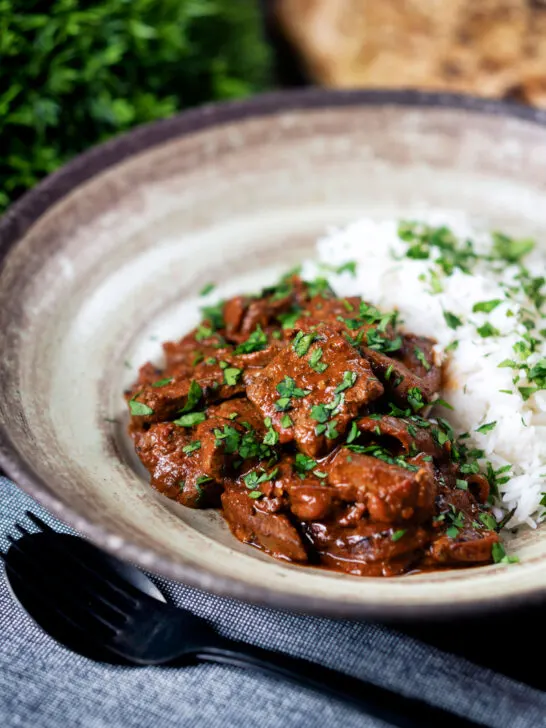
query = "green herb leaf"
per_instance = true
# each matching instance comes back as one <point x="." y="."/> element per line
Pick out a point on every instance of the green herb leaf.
<point x="397" y="535"/>
<point x="420" y="356"/>
<point x="488" y="521"/>
<point x="461" y="484"/>
<point x="192" y="447"/>
<point x="303" y="463"/>
<point x="139" y="409"/>
<point x="353" y="433"/>
<point x="315" y="361"/>
<point x="203" y="479"/>
<point x="452" y="532"/>
<point x="288" y="320"/>
<point x="487" y="427"/>
<point x="271" y="437"/>
<point x="349" y="379"/>
<point x="487" y="330"/>
<point x="527" y="392"/>
<point x="509" y="249"/>
<point x="302" y="342"/>
<point x="486" y="306"/>
<point x="257" y="341"/>
<point x="415" y="399"/>
<point x="452" y="321"/>
<point x="348" y="267"/>
<point x="331" y="431"/>
<point x="231" y="375"/>
<point x="194" y="395"/>
<point x="162" y="382"/>
<point x="191" y="419"/>
<point x="320" y="413"/>
<point x="286" y="421"/>
<point x="207" y="288"/>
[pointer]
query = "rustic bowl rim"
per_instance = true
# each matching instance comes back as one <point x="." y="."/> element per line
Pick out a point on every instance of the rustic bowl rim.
<point x="33" y="204"/>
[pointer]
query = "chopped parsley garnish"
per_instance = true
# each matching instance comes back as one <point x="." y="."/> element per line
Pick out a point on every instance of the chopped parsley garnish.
<point x="214" y="315"/>
<point x="228" y="437"/>
<point x="349" y="379"/>
<point x="315" y="361"/>
<point x="500" y="556"/>
<point x="461" y="484"/>
<point x="415" y="399"/>
<point x="192" y="447"/>
<point x="320" y="413"/>
<point x="231" y="376"/>
<point x="207" y="288"/>
<point x="486" y="306"/>
<point x="353" y="433"/>
<point x="442" y="403"/>
<point x="162" y="382"/>
<point x="331" y="431"/>
<point x="452" y="321"/>
<point x="271" y="437"/>
<point x="381" y="453"/>
<point x="197" y="359"/>
<point x="377" y="342"/>
<point x="191" y="419"/>
<point x="203" y="332"/>
<point x="509" y="249"/>
<point x="302" y="343"/>
<point x="348" y="267"/>
<point x="487" y="427"/>
<point x="194" y="395"/>
<point x="420" y="356"/>
<point x="487" y="330"/>
<point x="257" y="341"/>
<point x="397" y="535"/>
<point x="452" y="532"/>
<point x="289" y="318"/>
<point x="287" y="389"/>
<point x="139" y="409"/>
<point x="488" y="521"/>
<point x="304" y="463"/>
<point x="203" y="479"/>
<point x="254" y="478"/>
<point x="286" y="421"/>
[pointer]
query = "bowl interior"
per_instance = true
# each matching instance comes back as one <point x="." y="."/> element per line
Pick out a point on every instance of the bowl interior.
<point x="114" y="268"/>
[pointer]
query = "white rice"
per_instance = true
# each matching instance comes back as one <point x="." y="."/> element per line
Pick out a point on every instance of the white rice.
<point x="389" y="280"/>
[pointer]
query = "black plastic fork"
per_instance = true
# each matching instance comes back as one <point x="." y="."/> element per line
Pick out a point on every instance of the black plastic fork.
<point x="97" y="605"/>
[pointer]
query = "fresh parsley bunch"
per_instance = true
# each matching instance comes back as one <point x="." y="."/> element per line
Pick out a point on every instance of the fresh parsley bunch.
<point x="74" y="72"/>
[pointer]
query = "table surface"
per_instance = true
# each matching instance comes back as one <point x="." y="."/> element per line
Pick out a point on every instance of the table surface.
<point x="43" y="684"/>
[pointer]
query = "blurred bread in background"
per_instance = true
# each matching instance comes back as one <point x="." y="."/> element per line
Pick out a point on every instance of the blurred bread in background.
<point x="493" y="48"/>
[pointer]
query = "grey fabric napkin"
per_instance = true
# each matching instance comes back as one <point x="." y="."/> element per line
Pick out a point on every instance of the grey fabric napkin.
<point x="44" y="685"/>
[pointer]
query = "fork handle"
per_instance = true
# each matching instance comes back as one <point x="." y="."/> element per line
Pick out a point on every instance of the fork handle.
<point x="391" y="707"/>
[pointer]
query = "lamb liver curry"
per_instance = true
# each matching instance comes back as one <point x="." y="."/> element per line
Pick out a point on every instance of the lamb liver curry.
<point x="304" y="418"/>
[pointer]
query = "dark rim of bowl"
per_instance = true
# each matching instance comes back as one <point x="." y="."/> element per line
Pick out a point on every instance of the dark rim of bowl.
<point x="21" y="215"/>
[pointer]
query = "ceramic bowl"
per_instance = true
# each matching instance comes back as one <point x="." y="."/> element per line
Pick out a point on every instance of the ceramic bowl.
<point x="104" y="259"/>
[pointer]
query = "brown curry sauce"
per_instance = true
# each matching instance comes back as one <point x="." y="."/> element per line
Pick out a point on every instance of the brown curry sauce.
<point x="303" y="417"/>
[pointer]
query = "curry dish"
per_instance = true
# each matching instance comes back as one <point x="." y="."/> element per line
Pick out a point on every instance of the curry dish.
<point x="307" y="419"/>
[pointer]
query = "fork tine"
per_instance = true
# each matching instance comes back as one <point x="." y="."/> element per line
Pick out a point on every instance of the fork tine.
<point x="118" y="589"/>
<point x="56" y="608"/>
<point x="123" y="589"/>
<point x="42" y="525"/>
<point x="87" y="592"/>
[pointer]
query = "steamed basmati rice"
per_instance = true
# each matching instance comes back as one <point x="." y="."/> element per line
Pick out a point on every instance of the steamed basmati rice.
<point x="479" y="383"/>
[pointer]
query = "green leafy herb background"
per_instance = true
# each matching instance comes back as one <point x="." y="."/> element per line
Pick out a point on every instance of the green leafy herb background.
<point x="74" y="72"/>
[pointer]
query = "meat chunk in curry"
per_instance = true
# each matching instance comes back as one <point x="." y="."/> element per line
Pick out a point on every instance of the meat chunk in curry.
<point x="306" y="418"/>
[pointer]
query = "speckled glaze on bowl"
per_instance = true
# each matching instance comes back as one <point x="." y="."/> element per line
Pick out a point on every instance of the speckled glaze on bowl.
<point x="102" y="260"/>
